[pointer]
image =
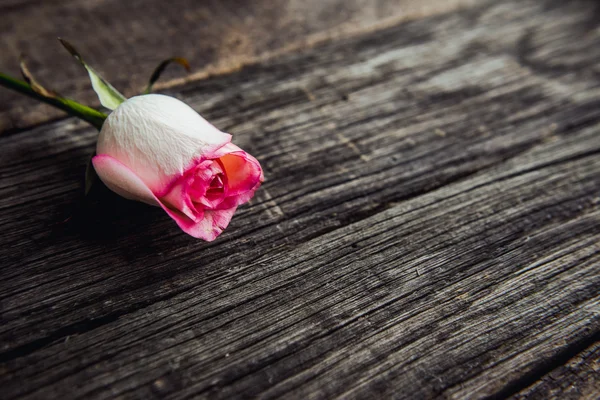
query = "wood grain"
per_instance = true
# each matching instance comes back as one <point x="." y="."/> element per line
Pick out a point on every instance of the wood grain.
<point x="578" y="378"/>
<point x="125" y="40"/>
<point x="429" y="227"/>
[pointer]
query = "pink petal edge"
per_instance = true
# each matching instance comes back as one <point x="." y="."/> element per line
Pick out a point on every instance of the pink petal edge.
<point x="123" y="181"/>
<point x="248" y="175"/>
<point x="213" y="153"/>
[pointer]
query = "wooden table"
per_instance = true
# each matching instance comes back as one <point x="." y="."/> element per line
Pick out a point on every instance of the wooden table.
<point x="429" y="225"/>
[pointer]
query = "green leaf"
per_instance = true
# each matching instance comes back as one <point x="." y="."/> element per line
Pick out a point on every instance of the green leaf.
<point x="108" y="95"/>
<point x="161" y="67"/>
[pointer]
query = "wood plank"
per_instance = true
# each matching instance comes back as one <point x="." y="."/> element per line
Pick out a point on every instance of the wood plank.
<point x="125" y="40"/>
<point x="429" y="227"/>
<point x="576" y="379"/>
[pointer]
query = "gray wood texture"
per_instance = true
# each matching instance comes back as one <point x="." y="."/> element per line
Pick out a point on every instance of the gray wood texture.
<point x="575" y="379"/>
<point x="429" y="228"/>
<point x="127" y="39"/>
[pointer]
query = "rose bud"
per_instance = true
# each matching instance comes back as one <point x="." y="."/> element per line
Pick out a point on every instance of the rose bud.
<point x="156" y="149"/>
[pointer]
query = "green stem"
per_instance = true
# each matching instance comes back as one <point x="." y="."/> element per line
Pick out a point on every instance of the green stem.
<point x="94" y="117"/>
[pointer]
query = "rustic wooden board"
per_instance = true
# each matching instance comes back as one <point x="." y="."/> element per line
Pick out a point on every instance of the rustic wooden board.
<point x="575" y="379"/>
<point x="125" y="40"/>
<point x="429" y="226"/>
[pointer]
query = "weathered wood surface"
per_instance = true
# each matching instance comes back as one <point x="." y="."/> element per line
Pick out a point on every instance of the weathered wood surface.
<point x="429" y="227"/>
<point x="575" y="379"/>
<point x="125" y="40"/>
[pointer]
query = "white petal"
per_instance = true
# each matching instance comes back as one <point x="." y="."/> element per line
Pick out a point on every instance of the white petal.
<point x="122" y="180"/>
<point x="158" y="137"/>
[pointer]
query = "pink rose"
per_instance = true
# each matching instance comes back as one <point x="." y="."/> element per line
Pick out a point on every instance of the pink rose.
<point x="158" y="150"/>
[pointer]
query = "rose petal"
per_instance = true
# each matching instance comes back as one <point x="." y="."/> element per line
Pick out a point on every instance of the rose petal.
<point x="123" y="181"/>
<point x="178" y="199"/>
<point x="159" y="138"/>
<point x="242" y="170"/>
<point x="209" y="227"/>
